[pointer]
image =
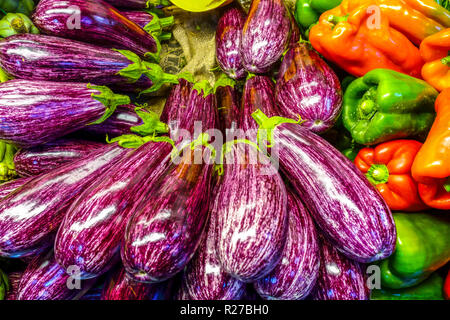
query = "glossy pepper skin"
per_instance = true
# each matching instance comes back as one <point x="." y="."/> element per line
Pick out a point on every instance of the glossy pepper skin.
<point x="349" y="36"/>
<point x="388" y="168"/>
<point x="307" y="12"/>
<point x="430" y="289"/>
<point x="423" y="246"/>
<point x="386" y="105"/>
<point x="435" y="52"/>
<point x="431" y="167"/>
<point x="447" y="286"/>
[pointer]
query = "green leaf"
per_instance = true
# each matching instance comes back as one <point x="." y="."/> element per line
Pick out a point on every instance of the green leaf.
<point x="203" y="87"/>
<point x="224" y="81"/>
<point x="109" y="99"/>
<point x="151" y="125"/>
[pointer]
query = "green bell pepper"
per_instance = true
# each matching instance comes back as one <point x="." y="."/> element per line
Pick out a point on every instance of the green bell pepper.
<point x="422" y="247"/>
<point x="430" y="289"/>
<point x="307" y="12"/>
<point x="15" y="6"/>
<point x="385" y="105"/>
<point x="4" y="285"/>
<point x="16" y="23"/>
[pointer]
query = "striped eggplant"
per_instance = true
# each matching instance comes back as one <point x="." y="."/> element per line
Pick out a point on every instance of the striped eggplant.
<point x="163" y="235"/>
<point x="339" y="277"/>
<point x="46" y="157"/>
<point x="204" y="278"/>
<point x="94" y="225"/>
<point x="93" y="21"/>
<point x="14" y="282"/>
<point x="119" y="123"/>
<point x="258" y="94"/>
<point x="228" y="104"/>
<point x="181" y="294"/>
<point x="41" y="57"/>
<point x="228" y="42"/>
<point x="45" y="279"/>
<point x="266" y="35"/>
<point x="295" y="276"/>
<point x="342" y="202"/>
<point x="309" y="88"/>
<point x="68" y="107"/>
<point x="251" y="212"/>
<point x="120" y="287"/>
<point x="151" y="23"/>
<point x="177" y="99"/>
<point x="8" y="187"/>
<point x="31" y="214"/>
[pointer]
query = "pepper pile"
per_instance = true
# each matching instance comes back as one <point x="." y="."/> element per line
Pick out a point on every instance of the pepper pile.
<point x="323" y="153"/>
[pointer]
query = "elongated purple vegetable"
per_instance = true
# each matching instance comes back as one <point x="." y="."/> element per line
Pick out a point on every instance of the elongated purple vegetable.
<point x="119" y="123"/>
<point x="294" y="277"/>
<point x="32" y="213"/>
<point x="251" y="214"/>
<point x="141" y="18"/>
<point x="163" y="235"/>
<point x="204" y="278"/>
<point x="120" y="287"/>
<point x="93" y="227"/>
<point x="339" y="277"/>
<point x="228" y="43"/>
<point x="266" y="35"/>
<point x="345" y="206"/>
<point x="40" y="57"/>
<point x="8" y="187"/>
<point x="14" y="282"/>
<point x="46" y="157"/>
<point x="151" y="23"/>
<point x="177" y="99"/>
<point x="93" y="21"/>
<point x="228" y="104"/>
<point x="309" y="88"/>
<point x="36" y="112"/>
<point x="45" y="279"/>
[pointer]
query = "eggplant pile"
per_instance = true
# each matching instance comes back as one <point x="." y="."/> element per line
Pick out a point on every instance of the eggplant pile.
<point x="229" y="194"/>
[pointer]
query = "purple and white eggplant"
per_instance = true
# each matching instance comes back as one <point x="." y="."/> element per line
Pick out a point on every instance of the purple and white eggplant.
<point x="93" y="228"/>
<point x="164" y="234"/>
<point x="309" y="88"/>
<point x="177" y="100"/>
<point x="8" y="187"/>
<point x="46" y="157"/>
<point x="31" y="214"/>
<point x="295" y="276"/>
<point x="93" y="21"/>
<point x="40" y="57"/>
<point x="349" y="211"/>
<point x="14" y="282"/>
<point x="266" y="35"/>
<point x="45" y="279"/>
<point x="36" y="112"/>
<point x="339" y="277"/>
<point x="151" y="23"/>
<point x="228" y="104"/>
<point x="228" y="43"/>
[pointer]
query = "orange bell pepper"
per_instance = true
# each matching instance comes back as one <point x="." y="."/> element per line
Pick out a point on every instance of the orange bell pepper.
<point x="388" y="168"/>
<point x="431" y="168"/>
<point x="435" y="52"/>
<point x="347" y="36"/>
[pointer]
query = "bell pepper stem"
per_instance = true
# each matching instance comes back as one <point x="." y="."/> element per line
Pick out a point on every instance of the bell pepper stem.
<point x="446" y="61"/>
<point x="335" y="19"/>
<point x="378" y="174"/>
<point x="447" y="185"/>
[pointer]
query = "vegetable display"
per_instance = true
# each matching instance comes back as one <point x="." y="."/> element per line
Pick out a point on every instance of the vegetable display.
<point x="244" y="150"/>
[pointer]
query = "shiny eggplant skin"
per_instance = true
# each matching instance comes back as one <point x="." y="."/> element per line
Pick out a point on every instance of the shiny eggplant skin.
<point x="228" y="43"/>
<point x="251" y="212"/>
<point x="119" y="123"/>
<point x="32" y="213"/>
<point x="308" y="87"/>
<point x="141" y="18"/>
<point x="339" y="277"/>
<point x="204" y="278"/>
<point x="177" y="99"/>
<point x="8" y="187"/>
<point x="93" y="228"/>
<point x="45" y="279"/>
<point x="266" y="35"/>
<point x="46" y="157"/>
<point x="295" y="276"/>
<point x="163" y="235"/>
<point x="228" y="106"/>
<point x="342" y="202"/>
<point x="120" y="287"/>
<point x="100" y="23"/>
<point x="68" y="106"/>
<point x="14" y="282"/>
<point x="41" y="57"/>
